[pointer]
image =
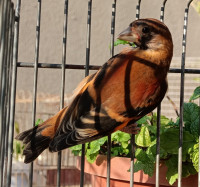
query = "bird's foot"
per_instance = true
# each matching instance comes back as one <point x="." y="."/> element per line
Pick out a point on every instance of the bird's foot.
<point x="131" y="129"/>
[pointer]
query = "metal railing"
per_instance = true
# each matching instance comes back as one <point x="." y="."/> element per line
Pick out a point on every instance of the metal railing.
<point x="9" y="34"/>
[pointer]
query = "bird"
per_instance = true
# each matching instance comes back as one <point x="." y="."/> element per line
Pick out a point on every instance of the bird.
<point x="128" y="86"/>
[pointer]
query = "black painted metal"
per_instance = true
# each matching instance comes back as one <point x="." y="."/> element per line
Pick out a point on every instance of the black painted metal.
<point x="62" y="81"/>
<point x="13" y="93"/>
<point x="182" y="94"/>
<point x="158" y="118"/>
<point x="87" y="63"/>
<point x="35" y="80"/>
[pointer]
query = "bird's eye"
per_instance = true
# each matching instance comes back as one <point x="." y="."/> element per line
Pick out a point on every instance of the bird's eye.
<point x="146" y="30"/>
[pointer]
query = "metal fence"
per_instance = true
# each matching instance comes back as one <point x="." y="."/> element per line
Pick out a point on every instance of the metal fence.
<point x="9" y="34"/>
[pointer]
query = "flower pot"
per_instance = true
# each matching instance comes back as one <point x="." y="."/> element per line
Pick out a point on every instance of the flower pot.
<point x="120" y="176"/>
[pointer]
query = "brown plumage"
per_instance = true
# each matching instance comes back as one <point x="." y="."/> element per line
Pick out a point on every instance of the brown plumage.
<point x="127" y="87"/>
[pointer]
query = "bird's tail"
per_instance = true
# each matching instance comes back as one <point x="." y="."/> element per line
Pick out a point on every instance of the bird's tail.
<point x="38" y="138"/>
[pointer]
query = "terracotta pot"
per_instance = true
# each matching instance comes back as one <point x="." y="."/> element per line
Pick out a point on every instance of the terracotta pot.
<point x="120" y="176"/>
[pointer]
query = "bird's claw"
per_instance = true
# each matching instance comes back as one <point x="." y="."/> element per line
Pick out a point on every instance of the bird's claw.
<point x="131" y="129"/>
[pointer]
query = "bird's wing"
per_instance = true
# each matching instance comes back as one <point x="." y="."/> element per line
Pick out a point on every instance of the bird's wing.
<point x="112" y="98"/>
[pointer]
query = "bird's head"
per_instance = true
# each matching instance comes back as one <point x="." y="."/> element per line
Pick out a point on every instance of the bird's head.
<point x="148" y="34"/>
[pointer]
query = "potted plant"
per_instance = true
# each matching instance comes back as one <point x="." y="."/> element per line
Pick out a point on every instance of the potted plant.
<point x="145" y="153"/>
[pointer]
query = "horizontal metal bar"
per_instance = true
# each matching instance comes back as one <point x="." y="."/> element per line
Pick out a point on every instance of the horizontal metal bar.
<point x="56" y="66"/>
<point x="91" y="67"/>
<point x="191" y="71"/>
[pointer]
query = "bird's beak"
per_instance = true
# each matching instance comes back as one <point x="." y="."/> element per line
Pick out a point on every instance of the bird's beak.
<point x="128" y="35"/>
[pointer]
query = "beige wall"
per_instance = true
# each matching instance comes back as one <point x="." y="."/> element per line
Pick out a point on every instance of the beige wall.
<point x="52" y="29"/>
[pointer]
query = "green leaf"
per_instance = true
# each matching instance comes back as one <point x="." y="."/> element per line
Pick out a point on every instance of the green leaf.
<point x="172" y="172"/>
<point x="76" y="147"/>
<point x="151" y="151"/>
<point x="144" y="120"/>
<point x="143" y="139"/>
<point x="95" y="145"/>
<point x="144" y="162"/>
<point x="196" y="94"/>
<point x="138" y="165"/>
<point x="188" y="169"/>
<point x="39" y="121"/>
<point x="194" y="156"/>
<point x="169" y="141"/>
<point x="191" y="117"/>
<point x="163" y="120"/>
<point x="141" y="155"/>
<point x="120" y="137"/>
<point x="124" y="144"/>
<point x="91" y="157"/>
<point x="118" y="42"/>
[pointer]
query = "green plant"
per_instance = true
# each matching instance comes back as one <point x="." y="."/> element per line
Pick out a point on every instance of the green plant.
<point x="123" y="42"/>
<point x="145" y="140"/>
<point x="18" y="147"/>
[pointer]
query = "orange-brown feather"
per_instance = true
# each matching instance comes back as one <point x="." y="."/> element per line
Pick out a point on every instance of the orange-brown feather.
<point x="52" y="124"/>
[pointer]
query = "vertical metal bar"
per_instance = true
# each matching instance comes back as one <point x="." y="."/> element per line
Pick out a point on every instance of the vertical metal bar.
<point x="62" y="81"/>
<point x="199" y="152"/>
<point x="158" y="117"/>
<point x="113" y="28"/>
<point x="162" y="11"/>
<point x="88" y="37"/>
<point x="133" y="135"/>
<point x="35" y="80"/>
<point x="82" y="165"/>
<point x="182" y="94"/>
<point x="158" y="145"/>
<point x="87" y="63"/>
<point x="13" y="92"/>
<point x="2" y="40"/>
<point x="108" y="161"/>
<point x="8" y="87"/>
<point x="3" y="60"/>
<point x="132" y="160"/>
<point x="111" y="53"/>
<point x="138" y="10"/>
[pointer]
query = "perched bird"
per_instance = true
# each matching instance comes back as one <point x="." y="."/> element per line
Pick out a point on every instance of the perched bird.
<point x="127" y="87"/>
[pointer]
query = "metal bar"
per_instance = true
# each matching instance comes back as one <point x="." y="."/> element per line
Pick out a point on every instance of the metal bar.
<point x="91" y="67"/>
<point x="3" y="60"/>
<point x="56" y="66"/>
<point x="133" y="135"/>
<point x="190" y="71"/>
<point x="13" y="93"/>
<point x="8" y="87"/>
<point x="108" y="161"/>
<point x="162" y="11"/>
<point x="2" y="36"/>
<point x="158" y="118"/>
<point x="62" y="81"/>
<point x="82" y="165"/>
<point x="88" y="37"/>
<point x="182" y="94"/>
<point x="138" y="10"/>
<point x="113" y="28"/>
<point x="199" y="152"/>
<point x="158" y="145"/>
<point x="132" y="159"/>
<point x="111" y="53"/>
<point x="89" y="17"/>
<point x="35" y="80"/>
